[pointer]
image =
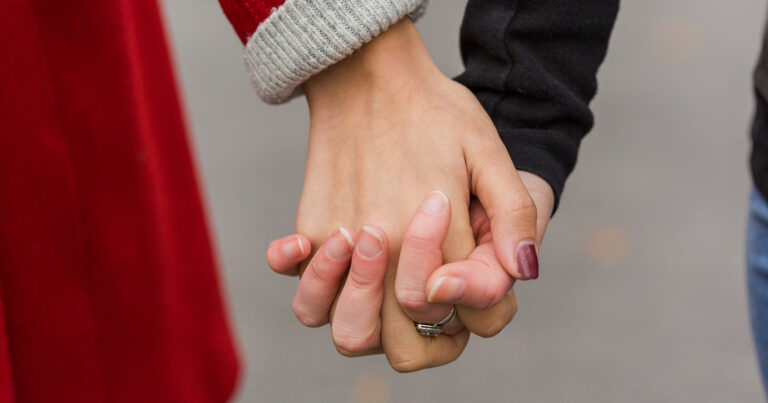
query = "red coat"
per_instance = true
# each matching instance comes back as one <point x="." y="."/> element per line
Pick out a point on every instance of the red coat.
<point x="108" y="285"/>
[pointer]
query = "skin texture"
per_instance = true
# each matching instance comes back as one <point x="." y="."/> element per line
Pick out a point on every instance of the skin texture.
<point x="387" y="129"/>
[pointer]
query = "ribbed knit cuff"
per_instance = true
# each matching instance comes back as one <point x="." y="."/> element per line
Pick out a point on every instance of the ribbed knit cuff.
<point x="303" y="37"/>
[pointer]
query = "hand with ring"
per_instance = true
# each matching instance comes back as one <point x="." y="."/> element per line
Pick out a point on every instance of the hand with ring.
<point x="370" y="313"/>
<point x="387" y="127"/>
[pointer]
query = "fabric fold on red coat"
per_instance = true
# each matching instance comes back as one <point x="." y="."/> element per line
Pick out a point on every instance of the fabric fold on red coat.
<point x="108" y="281"/>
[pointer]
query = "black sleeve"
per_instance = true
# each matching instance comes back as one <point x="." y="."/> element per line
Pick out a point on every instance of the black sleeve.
<point x="533" y="66"/>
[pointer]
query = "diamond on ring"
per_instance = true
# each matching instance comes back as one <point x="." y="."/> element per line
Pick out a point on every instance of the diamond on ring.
<point x="435" y="329"/>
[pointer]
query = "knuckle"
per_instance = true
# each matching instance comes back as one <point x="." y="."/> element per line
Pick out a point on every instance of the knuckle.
<point x="489" y="148"/>
<point x="523" y="206"/>
<point x="418" y="241"/>
<point x="512" y="307"/>
<point x="323" y="272"/>
<point x="494" y="290"/>
<point x="307" y="319"/>
<point x="495" y="151"/>
<point x="495" y="324"/>
<point x="493" y="294"/>
<point x="520" y="209"/>
<point x="348" y="344"/>
<point x="361" y="280"/>
<point x="491" y="328"/>
<point x="403" y="363"/>
<point x="410" y="299"/>
<point x="346" y="353"/>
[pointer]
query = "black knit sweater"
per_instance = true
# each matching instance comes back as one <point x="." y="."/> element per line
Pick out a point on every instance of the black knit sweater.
<point x="533" y="66"/>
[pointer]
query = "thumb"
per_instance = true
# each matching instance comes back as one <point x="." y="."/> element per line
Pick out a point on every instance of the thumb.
<point x="544" y="198"/>
<point x="510" y="208"/>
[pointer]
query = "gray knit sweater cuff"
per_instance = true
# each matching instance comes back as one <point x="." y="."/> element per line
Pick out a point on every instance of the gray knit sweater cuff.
<point x="303" y="37"/>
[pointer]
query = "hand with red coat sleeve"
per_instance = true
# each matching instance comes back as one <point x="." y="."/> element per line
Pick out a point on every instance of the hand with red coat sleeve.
<point x="386" y="127"/>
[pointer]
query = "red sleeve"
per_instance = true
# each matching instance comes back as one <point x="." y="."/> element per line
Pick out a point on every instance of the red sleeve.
<point x="289" y="41"/>
<point x="246" y="15"/>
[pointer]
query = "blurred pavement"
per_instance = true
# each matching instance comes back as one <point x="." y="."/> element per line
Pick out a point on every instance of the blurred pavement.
<point x="642" y="295"/>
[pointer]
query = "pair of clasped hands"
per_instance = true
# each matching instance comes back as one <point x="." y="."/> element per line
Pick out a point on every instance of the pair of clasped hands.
<point x="411" y="206"/>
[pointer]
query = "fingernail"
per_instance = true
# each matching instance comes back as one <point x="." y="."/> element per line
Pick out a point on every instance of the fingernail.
<point x="293" y="249"/>
<point x="340" y="245"/>
<point x="370" y="243"/>
<point x="435" y="203"/>
<point x="528" y="260"/>
<point x="447" y="289"/>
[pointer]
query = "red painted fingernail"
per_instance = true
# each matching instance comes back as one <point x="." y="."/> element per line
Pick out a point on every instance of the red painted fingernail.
<point x="528" y="260"/>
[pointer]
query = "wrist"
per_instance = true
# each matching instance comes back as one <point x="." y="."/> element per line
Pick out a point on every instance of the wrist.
<point x="392" y="65"/>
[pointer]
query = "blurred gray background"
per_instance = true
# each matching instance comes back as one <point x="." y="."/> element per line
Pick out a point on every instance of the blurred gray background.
<point x="642" y="294"/>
